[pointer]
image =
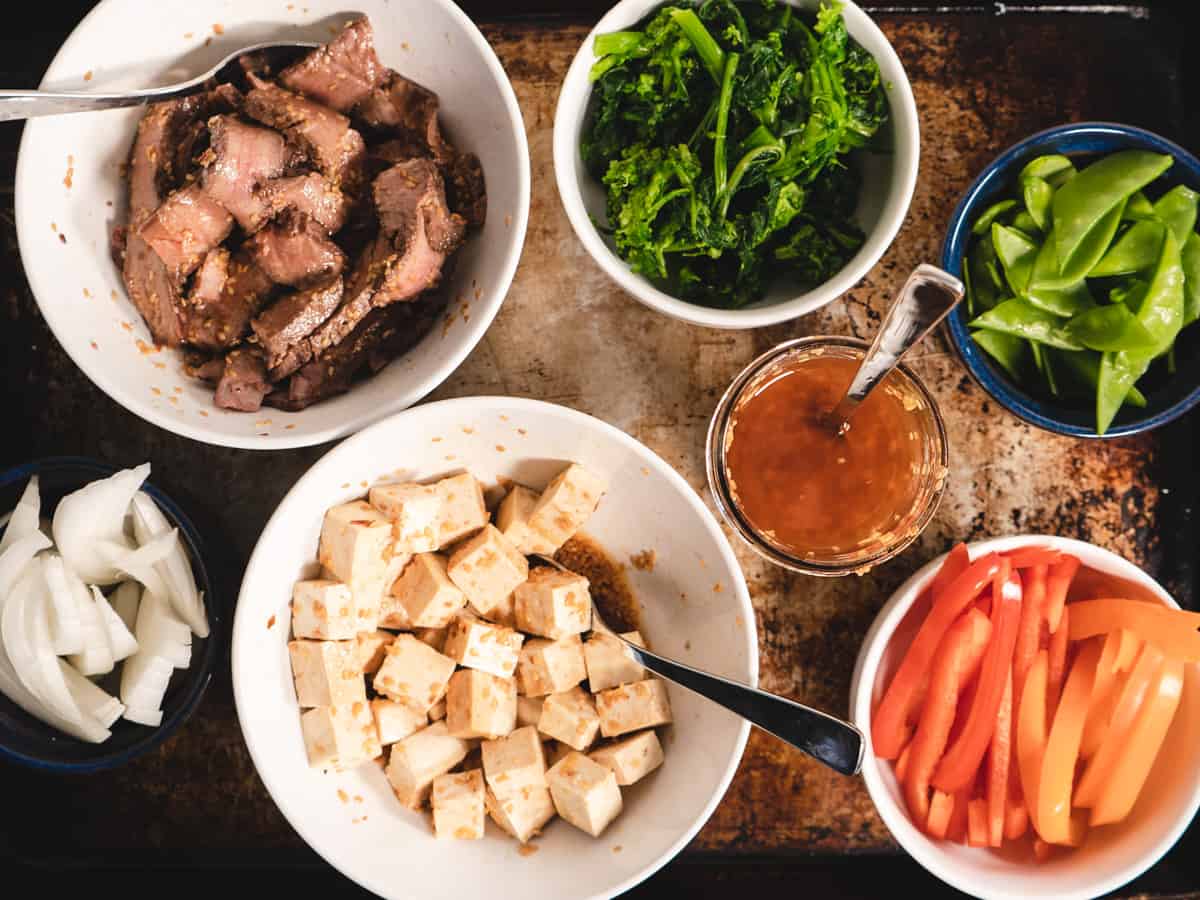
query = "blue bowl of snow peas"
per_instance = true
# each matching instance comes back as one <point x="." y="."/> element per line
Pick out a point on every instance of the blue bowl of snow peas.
<point x="1106" y="344"/>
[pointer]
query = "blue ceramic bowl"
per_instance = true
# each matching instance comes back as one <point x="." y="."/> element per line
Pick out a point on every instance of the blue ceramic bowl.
<point x="27" y="740"/>
<point x="1168" y="396"/>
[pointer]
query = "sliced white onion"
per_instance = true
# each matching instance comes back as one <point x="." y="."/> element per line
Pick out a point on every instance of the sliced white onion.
<point x="151" y="717"/>
<point x="96" y="657"/>
<point x="120" y="639"/>
<point x="66" y="627"/>
<point x="125" y="600"/>
<point x="23" y="520"/>
<point x="144" y="680"/>
<point x="140" y="563"/>
<point x="93" y="515"/>
<point x="149" y="523"/>
<point x="161" y="633"/>
<point x="91" y="699"/>
<point x="89" y="730"/>
<point x="19" y="555"/>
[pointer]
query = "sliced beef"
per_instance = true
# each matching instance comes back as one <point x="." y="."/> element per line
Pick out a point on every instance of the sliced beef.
<point x="243" y="383"/>
<point x="289" y="320"/>
<point x="466" y="191"/>
<point x="309" y="194"/>
<point x="325" y="135"/>
<point x="239" y="158"/>
<point x="227" y="292"/>
<point x="184" y="228"/>
<point x="341" y="73"/>
<point x="153" y="162"/>
<point x="153" y="290"/>
<point x="404" y="108"/>
<point x="410" y="194"/>
<point x="294" y="250"/>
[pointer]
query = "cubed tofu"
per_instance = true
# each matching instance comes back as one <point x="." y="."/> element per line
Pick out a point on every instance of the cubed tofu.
<point x="396" y="721"/>
<point x="515" y="761"/>
<point x="556" y="750"/>
<point x="437" y="712"/>
<point x="632" y="707"/>
<point x="571" y="718"/>
<point x="483" y="646"/>
<point x="341" y="736"/>
<point x="564" y="506"/>
<point x="522" y="812"/>
<point x="632" y="758"/>
<point x="529" y="710"/>
<point x="480" y="705"/>
<point x="553" y="604"/>
<point x="370" y="649"/>
<point x="356" y="546"/>
<point x="421" y="757"/>
<point x="413" y="673"/>
<point x="414" y="511"/>
<point x="458" y="805"/>
<point x="550" y="667"/>
<point x="463" y="510"/>
<point x="323" y="610"/>
<point x="608" y="664"/>
<point x="426" y="594"/>
<point x="585" y="793"/>
<point x="487" y="568"/>
<point x="512" y="519"/>
<point x="326" y="672"/>
<point x="434" y="637"/>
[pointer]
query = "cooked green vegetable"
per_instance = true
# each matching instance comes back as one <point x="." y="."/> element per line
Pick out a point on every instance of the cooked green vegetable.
<point x="724" y="135"/>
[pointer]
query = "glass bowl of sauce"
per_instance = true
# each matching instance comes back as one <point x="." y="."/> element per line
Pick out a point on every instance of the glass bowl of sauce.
<point x="806" y="496"/>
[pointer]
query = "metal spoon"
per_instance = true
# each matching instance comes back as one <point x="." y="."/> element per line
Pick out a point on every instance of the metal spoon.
<point x="30" y="104"/>
<point x="927" y="296"/>
<point x="837" y="744"/>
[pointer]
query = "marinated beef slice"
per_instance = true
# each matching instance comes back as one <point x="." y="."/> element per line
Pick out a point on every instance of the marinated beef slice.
<point x="282" y="328"/>
<point x="465" y="188"/>
<point x="309" y="194"/>
<point x="184" y="228"/>
<point x="239" y="158"/>
<point x="227" y="291"/>
<point x="243" y="383"/>
<point x="408" y="110"/>
<point x="294" y="250"/>
<point x="153" y="290"/>
<point x="341" y="73"/>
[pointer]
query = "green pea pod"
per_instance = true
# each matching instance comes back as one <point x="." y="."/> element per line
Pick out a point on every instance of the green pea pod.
<point x="1041" y="359"/>
<point x="1084" y="366"/>
<point x="1083" y="202"/>
<point x="1191" y="278"/>
<point x="1134" y="251"/>
<point x="1138" y="208"/>
<point x="1011" y="353"/>
<point x="984" y="223"/>
<point x="1130" y="292"/>
<point x="1093" y="246"/>
<point x="1111" y="327"/>
<point x="1068" y="301"/>
<point x="1038" y="196"/>
<point x="1054" y="169"/>
<point x="1024" y="320"/>
<point x="1177" y="210"/>
<point x="1017" y="254"/>
<point x="1025" y="223"/>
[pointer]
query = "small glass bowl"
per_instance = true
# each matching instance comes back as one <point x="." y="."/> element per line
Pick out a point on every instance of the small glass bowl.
<point x="860" y="559"/>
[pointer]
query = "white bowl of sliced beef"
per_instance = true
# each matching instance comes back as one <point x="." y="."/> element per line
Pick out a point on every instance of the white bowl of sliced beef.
<point x="308" y="246"/>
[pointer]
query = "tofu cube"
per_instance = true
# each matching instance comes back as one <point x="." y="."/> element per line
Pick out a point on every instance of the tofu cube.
<point x="522" y="812"/>
<point x="631" y="759"/>
<point x="370" y="648"/>
<point x="437" y="712"/>
<point x="514" y="761"/>
<point x="550" y="667"/>
<point x="556" y="750"/>
<point x="458" y="805"/>
<point x="483" y="646"/>
<point x="565" y="505"/>
<point x="512" y="519"/>
<point x="340" y="736"/>
<point x="632" y="707"/>
<point x="323" y="610"/>
<point x="356" y="546"/>
<point x="463" y="510"/>
<point x="554" y="604"/>
<point x="413" y="673"/>
<point x="529" y="710"/>
<point x="480" y="705"/>
<point x="434" y="637"/>
<point x="395" y="721"/>
<point x="326" y="672"/>
<point x="419" y="758"/>
<point x="427" y="596"/>
<point x="608" y="664"/>
<point x="585" y="793"/>
<point x="414" y="511"/>
<point x="571" y="718"/>
<point x="487" y="568"/>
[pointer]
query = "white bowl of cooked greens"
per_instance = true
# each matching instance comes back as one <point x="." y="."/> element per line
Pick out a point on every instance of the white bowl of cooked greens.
<point x="736" y="165"/>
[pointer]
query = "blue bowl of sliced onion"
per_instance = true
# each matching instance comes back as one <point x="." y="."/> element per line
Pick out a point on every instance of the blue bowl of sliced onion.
<point x="106" y="615"/>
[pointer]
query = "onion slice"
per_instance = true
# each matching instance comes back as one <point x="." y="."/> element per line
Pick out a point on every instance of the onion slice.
<point x="66" y="627"/>
<point x="125" y="600"/>
<point x="149" y="523"/>
<point x="92" y="516"/>
<point x="24" y="519"/>
<point x="96" y="658"/>
<point x="91" y="699"/>
<point x="14" y="560"/>
<point x="120" y="640"/>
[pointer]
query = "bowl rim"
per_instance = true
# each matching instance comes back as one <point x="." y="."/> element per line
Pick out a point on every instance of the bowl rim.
<point x="568" y="174"/>
<point x="213" y="647"/>
<point x="862" y="685"/>
<point x="987" y="376"/>
<point x="97" y="373"/>
<point x="326" y="467"/>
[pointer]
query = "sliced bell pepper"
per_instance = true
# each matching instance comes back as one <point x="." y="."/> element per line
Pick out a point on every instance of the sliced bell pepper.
<point x="941" y="811"/>
<point x="1033" y="582"/>
<point x="888" y="723"/>
<point x="957" y="561"/>
<point x="957" y="830"/>
<point x="999" y="757"/>
<point x="1058" y="660"/>
<point x="1131" y="644"/>
<point x="902" y="762"/>
<point x="1031" y="732"/>
<point x="1062" y="748"/>
<point x="1042" y="851"/>
<point x="1016" y="821"/>
<point x="1026" y="557"/>
<point x="1141" y="747"/>
<point x="1058" y="582"/>
<point x="965" y="753"/>
<point x="977" y="828"/>
<point x="1105" y="692"/>
<point x="1173" y="630"/>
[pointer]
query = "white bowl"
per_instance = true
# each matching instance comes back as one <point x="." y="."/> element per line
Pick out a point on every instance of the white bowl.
<point x="888" y="182"/>
<point x="126" y="44"/>
<point x="1111" y="856"/>
<point x="685" y="616"/>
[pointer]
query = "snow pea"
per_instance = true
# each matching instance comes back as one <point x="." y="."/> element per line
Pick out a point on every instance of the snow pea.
<point x="1011" y="353"/>
<point x="1041" y="359"/>
<point x="1068" y="301"/>
<point x="1135" y="250"/>
<point x="1090" y="197"/>
<point x="981" y="278"/>
<point x="1138" y="207"/>
<point x="1177" y="210"/>
<point x="1016" y="253"/>
<point x="1111" y="327"/>
<point x="1022" y="319"/>
<point x="1025" y="223"/>
<point x="1084" y="365"/>
<point x="1091" y="247"/>
<point x="1191" y="278"/>
<point x="984" y="223"/>
<point x="1054" y="169"/>
<point x="1129" y="291"/>
<point x="1037" y="195"/>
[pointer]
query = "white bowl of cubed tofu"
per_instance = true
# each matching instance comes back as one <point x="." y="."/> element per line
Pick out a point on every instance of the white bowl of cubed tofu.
<point x="431" y="705"/>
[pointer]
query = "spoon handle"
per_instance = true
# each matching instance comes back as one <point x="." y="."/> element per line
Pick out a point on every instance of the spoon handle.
<point x="837" y="744"/>
<point x="927" y="296"/>
<point x="32" y="104"/>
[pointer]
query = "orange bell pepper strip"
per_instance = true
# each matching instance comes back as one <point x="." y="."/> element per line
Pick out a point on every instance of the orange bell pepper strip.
<point x="957" y="831"/>
<point x="1062" y="748"/>
<point x="1173" y="630"/>
<point x="1099" y="770"/>
<point x="957" y="659"/>
<point x="1027" y="557"/>
<point x="1059" y="644"/>
<point x="1058" y="582"/>
<point x="1141" y="748"/>
<point x="964" y="755"/>
<point x="1031" y="732"/>
<point x="1033" y="584"/>
<point x="902" y="762"/>
<point x="1105" y="692"/>
<point x="1042" y="851"/>
<point x="941" y="811"/>
<point x="1016" y="821"/>
<point x="888" y="723"/>
<point x="999" y="758"/>
<point x="1127" y="653"/>
<point x="977" y="828"/>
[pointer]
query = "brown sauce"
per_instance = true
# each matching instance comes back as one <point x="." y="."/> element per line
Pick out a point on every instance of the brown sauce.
<point x="607" y="582"/>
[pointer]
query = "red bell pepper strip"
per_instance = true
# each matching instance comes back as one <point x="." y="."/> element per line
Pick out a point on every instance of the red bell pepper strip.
<point x="999" y="758"/>
<point x="1033" y="582"/>
<point x="902" y="762"/>
<point x="941" y="811"/>
<point x="1016" y="821"/>
<point x="1058" y="662"/>
<point x="1058" y="582"/>
<point x="957" y="831"/>
<point x="977" y="829"/>
<point x="957" y="561"/>
<point x="1027" y="557"/>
